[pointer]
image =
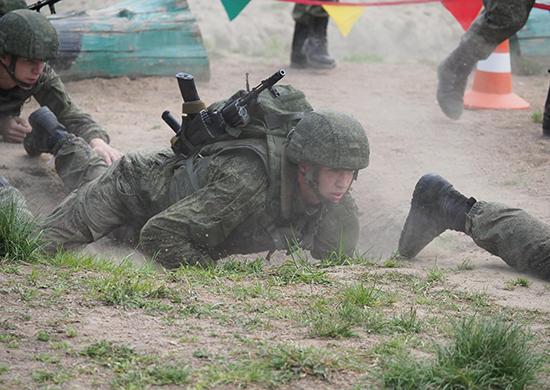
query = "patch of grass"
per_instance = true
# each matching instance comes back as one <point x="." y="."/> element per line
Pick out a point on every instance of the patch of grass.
<point x="407" y="322"/>
<point x="359" y="295"/>
<point x="485" y="353"/>
<point x="519" y="282"/>
<point x="58" y="376"/>
<point x="20" y="235"/>
<point x="44" y="336"/>
<point x="466" y="265"/>
<point x="135" y="292"/>
<point x="160" y="374"/>
<point x="537" y="116"/>
<point x="299" y="270"/>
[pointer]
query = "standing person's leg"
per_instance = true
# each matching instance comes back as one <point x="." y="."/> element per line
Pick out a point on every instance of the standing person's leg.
<point x="310" y="44"/>
<point x="497" y="22"/>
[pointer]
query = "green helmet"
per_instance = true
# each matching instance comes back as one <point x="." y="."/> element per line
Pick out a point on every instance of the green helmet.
<point x="28" y="34"/>
<point x="9" y="5"/>
<point x="330" y="138"/>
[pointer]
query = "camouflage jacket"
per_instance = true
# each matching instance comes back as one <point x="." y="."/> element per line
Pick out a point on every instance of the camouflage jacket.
<point x="227" y="215"/>
<point x="50" y="91"/>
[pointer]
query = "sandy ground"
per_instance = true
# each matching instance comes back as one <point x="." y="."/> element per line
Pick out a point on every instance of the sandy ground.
<point x="491" y="155"/>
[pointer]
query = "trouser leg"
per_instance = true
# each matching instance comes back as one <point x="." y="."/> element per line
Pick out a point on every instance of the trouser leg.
<point x="76" y="163"/>
<point x="517" y="237"/>
<point x="129" y="192"/>
<point x="497" y="22"/>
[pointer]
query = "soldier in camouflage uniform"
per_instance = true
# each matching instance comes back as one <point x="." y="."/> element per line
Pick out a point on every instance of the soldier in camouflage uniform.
<point x="499" y="20"/>
<point x="150" y="189"/>
<point x="27" y="41"/>
<point x="517" y="237"/>
<point x="309" y="42"/>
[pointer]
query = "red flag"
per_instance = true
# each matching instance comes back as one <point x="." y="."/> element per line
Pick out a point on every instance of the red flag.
<point x="465" y="11"/>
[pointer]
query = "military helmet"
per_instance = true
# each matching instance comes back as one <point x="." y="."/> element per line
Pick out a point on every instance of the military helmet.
<point x="28" y="34"/>
<point x="330" y="138"/>
<point x="9" y="5"/>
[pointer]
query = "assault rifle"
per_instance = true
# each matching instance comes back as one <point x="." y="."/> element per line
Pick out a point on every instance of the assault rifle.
<point x="200" y="126"/>
<point x="42" y="3"/>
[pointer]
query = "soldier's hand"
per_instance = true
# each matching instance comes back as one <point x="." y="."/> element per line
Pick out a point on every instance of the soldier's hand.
<point x="14" y="129"/>
<point x="103" y="150"/>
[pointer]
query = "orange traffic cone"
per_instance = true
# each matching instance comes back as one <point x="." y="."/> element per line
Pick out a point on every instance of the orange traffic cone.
<point x="492" y="88"/>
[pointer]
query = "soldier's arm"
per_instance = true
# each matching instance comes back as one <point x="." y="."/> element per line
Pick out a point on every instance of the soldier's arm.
<point x="189" y="230"/>
<point x="51" y="92"/>
<point x="338" y="231"/>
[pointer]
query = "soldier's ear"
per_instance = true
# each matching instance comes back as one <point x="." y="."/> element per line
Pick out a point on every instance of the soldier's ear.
<point x="303" y="168"/>
<point x="6" y="59"/>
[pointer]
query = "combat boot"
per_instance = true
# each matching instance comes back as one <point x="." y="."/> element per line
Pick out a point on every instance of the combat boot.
<point x="453" y="74"/>
<point x="316" y="45"/>
<point x="46" y="132"/>
<point x="298" y="59"/>
<point x="435" y="207"/>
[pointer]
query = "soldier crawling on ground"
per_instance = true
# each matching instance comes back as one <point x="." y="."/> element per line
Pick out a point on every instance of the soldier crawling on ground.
<point x="231" y="212"/>
<point x="27" y="41"/>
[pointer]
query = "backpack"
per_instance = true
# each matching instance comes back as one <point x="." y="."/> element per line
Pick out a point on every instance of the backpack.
<point x="270" y="123"/>
<point x="270" y="120"/>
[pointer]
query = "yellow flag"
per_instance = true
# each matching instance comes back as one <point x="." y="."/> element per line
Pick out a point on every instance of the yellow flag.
<point x="345" y="16"/>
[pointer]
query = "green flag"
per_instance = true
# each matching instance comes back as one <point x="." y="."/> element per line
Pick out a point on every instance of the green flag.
<point x="234" y="7"/>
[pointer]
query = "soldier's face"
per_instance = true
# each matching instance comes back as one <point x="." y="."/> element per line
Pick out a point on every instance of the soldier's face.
<point x="28" y="70"/>
<point x="334" y="183"/>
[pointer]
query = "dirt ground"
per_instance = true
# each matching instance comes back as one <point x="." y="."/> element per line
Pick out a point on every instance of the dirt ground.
<point x="497" y="155"/>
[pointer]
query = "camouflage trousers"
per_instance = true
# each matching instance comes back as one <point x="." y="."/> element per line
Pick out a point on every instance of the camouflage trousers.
<point x="129" y="192"/>
<point x="76" y="162"/>
<point x="517" y="237"/>
<point x="499" y="20"/>
<point x="302" y="12"/>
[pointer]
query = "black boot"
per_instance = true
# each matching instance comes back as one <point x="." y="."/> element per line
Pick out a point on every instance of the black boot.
<point x="316" y="46"/>
<point x="453" y="74"/>
<point x="298" y="59"/>
<point x="435" y="207"/>
<point x="546" y="116"/>
<point x="46" y="132"/>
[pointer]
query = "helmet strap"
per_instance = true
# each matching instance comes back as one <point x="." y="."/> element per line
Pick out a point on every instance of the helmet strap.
<point x="311" y="178"/>
<point x="11" y="71"/>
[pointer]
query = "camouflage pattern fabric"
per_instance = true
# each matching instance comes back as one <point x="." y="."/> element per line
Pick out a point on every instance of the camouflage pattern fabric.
<point x="222" y="218"/>
<point x="50" y="91"/>
<point x="10" y="5"/>
<point x="28" y="34"/>
<point x="498" y="21"/>
<point x="302" y="12"/>
<point x="517" y="237"/>
<point x="76" y="163"/>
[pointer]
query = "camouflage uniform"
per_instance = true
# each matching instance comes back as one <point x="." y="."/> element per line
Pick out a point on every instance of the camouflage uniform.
<point x="302" y="12"/>
<point x="517" y="237"/>
<point x="50" y="91"/>
<point x="498" y="21"/>
<point x="150" y="189"/>
<point x="10" y="5"/>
